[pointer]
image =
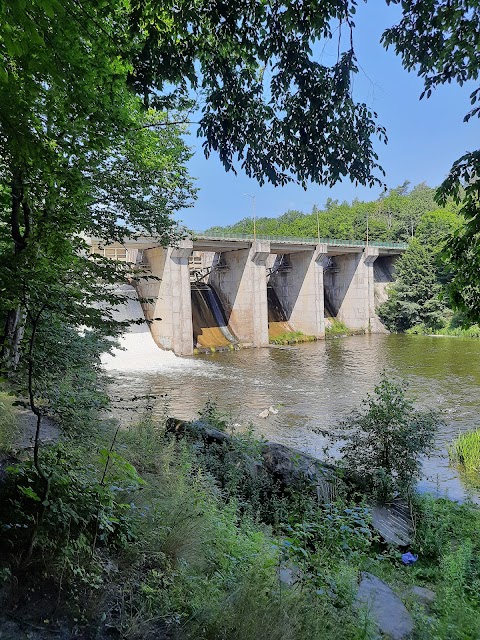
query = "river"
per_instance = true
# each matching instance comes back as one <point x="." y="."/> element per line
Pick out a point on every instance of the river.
<point x="313" y="386"/>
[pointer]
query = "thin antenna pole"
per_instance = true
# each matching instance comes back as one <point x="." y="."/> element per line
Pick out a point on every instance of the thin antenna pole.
<point x="254" y="215"/>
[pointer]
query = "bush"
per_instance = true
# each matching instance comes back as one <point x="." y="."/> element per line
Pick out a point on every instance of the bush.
<point x="337" y="328"/>
<point x="87" y="508"/>
<point x="385" y="441"/>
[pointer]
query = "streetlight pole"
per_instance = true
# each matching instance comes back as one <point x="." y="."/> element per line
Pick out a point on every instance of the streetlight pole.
<point x="253" y="215"/>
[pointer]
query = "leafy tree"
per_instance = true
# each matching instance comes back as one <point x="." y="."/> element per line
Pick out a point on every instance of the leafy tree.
<point x="439" y="39"/>
<point x="462" y="256"/>
<point x="387" y="439"/>
<point x="436" y="226"/>
<point x="414" y="298"/>
<point x="391" y="217"/>
<point x="267" y="101"/>
<point x="74" y="159"/>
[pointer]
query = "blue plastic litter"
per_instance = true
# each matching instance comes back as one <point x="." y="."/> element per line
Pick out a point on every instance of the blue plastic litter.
<point x="409" y="558"/>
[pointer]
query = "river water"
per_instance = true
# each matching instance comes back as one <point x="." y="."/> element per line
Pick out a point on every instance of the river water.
<point x="313" y="386"/>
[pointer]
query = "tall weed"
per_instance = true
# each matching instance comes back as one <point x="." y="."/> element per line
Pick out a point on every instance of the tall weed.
<point x="8" y="422"/>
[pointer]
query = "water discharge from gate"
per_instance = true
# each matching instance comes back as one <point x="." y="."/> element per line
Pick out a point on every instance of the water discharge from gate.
<point x="210" y="326"/>
<point x="277" y="319"/>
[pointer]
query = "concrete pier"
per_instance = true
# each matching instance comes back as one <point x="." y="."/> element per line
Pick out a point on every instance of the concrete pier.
<point x="241" y="285"/>
<point x="170" y="311"/>
<point x="350" y="285"/>
<point x="299" y="287"/>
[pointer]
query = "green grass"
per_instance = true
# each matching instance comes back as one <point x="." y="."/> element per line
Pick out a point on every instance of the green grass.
<point x="336" y="329"/>
<point x="8" y="422"/>
<point x="292" y="337"/>
<point x="465" y="450"/>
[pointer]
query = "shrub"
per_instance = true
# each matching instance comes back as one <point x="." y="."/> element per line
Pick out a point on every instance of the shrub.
<point x="385" y="441"/>
<point x="87" y="508"/>
<point x="337" y="328"/>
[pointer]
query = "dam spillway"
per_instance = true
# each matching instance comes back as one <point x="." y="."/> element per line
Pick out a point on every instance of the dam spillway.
<point x="330" y="313"/>
<point x="277" y="319"/>
<point x="210" y="326"/>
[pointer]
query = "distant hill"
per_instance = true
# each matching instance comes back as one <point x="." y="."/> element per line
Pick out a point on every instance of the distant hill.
<point x="395" y="216"/>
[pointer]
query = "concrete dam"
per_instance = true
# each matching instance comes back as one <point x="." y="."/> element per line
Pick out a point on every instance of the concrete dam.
<point x="215" y="291"/>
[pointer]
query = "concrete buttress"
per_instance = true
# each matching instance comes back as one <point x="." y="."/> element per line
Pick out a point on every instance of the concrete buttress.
<point x="370" y="254"/>
<point x="350" y="287"/>
<point x="299" y="287"/>
<point x="170" y="311"/>
<point x="242" y="287"/>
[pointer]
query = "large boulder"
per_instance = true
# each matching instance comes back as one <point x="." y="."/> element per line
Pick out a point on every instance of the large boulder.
<point x="384" y="607"/>
<point x="297" y="469"/>
<point x="425" y="597"/>
<point x="290" y="468"/>
<point x="197" y="429"/>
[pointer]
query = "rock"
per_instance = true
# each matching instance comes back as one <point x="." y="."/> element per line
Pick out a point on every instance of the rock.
<point x="27" y="421"/>
<point x="384" y="607"/>
<point x="272" y="411"/>
<point x="423" y="595"/>
<point x="264" y="414"/>
<point x="293" y="467"/>
<point x="202" y="431"/>
<point x="288" y="466"/>
<point x="394" y="523"/>
<point x="290" y="575"/>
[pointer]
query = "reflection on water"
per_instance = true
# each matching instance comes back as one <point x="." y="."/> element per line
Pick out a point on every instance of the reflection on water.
<point x="315" y="385"/>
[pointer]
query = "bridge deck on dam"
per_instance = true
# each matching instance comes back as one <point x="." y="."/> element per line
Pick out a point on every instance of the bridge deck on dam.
<point x="212" y="240"/>
<point x="218" y="242"/>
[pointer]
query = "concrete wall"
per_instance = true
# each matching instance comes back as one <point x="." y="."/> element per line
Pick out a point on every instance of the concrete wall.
<point x="300" y="291"/>
<point x="170" y="312"/>
<point x="242" y="289"/>
<point x="350" y="289"/>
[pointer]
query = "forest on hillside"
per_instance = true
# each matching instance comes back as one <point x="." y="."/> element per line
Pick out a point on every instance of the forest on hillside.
<point x="396" y="215"/>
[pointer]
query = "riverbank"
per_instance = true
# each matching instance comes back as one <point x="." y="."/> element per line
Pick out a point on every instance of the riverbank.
<point x="448" y="331"/>
<point x="160" y="537"/>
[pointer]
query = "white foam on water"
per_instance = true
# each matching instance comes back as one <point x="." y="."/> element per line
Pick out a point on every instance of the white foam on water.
<point x="139" y="352"/>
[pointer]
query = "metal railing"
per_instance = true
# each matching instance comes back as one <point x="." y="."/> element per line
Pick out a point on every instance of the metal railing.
<point x="249" y="237"/>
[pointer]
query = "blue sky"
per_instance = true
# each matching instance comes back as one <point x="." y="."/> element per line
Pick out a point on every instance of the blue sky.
<point x="425" y="137"/>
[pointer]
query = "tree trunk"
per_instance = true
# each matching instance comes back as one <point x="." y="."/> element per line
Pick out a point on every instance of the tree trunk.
<point x="12" y="338"/>
<point x="20" y="226"/>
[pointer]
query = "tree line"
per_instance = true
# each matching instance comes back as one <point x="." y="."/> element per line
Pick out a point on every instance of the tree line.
<point x="397" y="216"/>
